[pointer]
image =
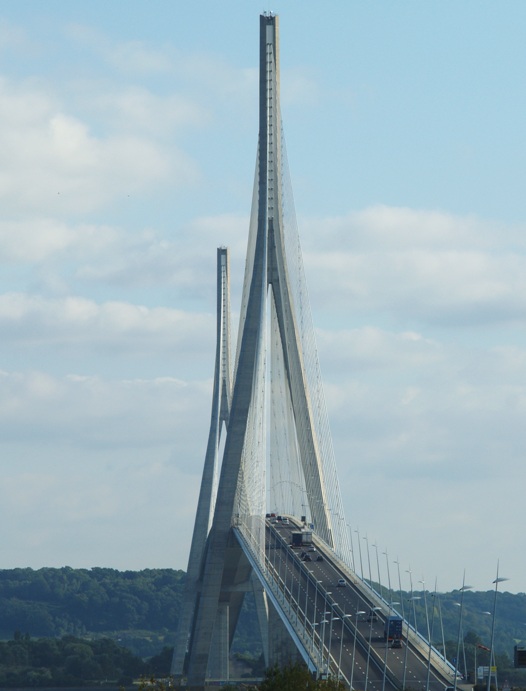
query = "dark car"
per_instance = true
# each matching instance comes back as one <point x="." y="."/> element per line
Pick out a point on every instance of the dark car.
<point x="307" y="558"/>
<point x="319" y="558"/>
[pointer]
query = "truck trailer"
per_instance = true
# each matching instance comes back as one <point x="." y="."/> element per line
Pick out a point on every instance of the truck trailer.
<point x="301" y="538"/>
<point x="393" y="628"/>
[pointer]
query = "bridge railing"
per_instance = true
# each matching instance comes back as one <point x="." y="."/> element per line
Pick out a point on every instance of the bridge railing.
<point x="417" y="639"/>
<point x="288" y="607"/>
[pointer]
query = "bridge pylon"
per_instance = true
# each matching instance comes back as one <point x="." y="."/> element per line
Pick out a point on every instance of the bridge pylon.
<point x="277" y="401"/>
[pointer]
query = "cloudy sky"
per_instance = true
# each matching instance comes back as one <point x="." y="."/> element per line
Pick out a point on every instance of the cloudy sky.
<point x="128" y="135"/>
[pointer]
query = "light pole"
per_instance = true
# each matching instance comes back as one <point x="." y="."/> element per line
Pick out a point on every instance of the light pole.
<point x="441" y="626"/>
<point x="343" y="618"/>
<point x="360" y="553"/>
<point x="315" y="613"/>
<point x="369" y="563"/>
<point x="352" y="546"/>
<point x="330" y="639"/>
<point x="498" y="579"/>
<point x="397" y="562"/>
<point x="308" y="574"/>
<point x="388" y="577"/>
<point x="413" y="597"/>
<point x="372" y="615"/>
<point x="461" y="605"/>
<point x="322" y="640"/>
<point x="325" y="613"/>
<point x="430" y="637"/>
<point x="359" y="612"/>
<point x="320" y="651"/>
<point x="378" y="569"/>
<point x="428" y="633"/>
<point x="425" y="608"/>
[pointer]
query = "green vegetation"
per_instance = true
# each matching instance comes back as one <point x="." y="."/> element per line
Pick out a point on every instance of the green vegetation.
<point x="296" y="678"/>
<point x="138" y="609"/>
<point x="100" y="621"/>
<point x="68" y="661"/>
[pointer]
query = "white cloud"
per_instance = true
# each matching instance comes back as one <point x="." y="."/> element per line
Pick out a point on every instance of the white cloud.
<point x="429" y="267"/>
<point x="86" y="324"/>
<point x="53" y="163"/>
<point x="132" y="56"/>
<point x="89" y="412"/>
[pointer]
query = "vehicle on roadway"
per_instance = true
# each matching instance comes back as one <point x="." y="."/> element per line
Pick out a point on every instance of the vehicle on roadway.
<point x="393" y="629"/>
<point x="319" y="558"/>
<point x="341" y="583"/>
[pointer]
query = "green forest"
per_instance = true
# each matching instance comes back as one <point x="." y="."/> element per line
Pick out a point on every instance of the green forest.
<point x="61" y="626"/>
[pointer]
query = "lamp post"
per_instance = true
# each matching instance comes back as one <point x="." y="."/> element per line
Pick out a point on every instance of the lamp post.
<point x="359" y="612"/>
<point x="360" y="553"/>
<point x="325" y="621"/>
<point x="430" y="637"/>
<point x="343" y="618"/>
<point x="372" y="615"/>
<point x="320" y="651"/>
<point x="441" y="626"/>
<point x="322" y="641"/>
<point x="378" y="569"/>
<point x="461" y="605"/>
<point x="329" y="647"/>
<point x="352" y="546"/>
<point x="369" y="563"/>
<point x="413" y="597"/>
<point x="498" y="579"/>
<point x="397" y="562"/>
<point x="308" y="574"/>
<point x="315" y="613"/>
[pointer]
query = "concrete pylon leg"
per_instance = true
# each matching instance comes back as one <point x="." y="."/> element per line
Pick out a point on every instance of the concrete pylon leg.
<point x="219" y="658"/>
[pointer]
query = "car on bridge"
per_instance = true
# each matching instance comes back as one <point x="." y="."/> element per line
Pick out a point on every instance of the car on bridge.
<point x="342" y="583"/>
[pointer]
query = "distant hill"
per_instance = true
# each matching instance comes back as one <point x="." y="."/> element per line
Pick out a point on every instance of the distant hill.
<point x="140" y="609"/>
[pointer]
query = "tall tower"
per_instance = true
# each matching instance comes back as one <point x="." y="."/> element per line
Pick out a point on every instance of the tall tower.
<point x="276" y="363"/>
<point x="207" y="496"/>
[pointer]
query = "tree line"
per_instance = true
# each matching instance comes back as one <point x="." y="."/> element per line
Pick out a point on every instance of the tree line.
<point x="138" y="611"/>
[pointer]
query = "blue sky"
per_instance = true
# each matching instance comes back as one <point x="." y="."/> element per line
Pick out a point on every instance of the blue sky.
<point x="128" y="135"/>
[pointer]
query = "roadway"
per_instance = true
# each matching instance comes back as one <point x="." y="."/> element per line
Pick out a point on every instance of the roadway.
<point x="346" y="620"/>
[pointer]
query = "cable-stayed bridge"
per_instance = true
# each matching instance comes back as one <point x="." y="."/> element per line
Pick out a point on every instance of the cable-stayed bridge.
<point x="270" y="450"/>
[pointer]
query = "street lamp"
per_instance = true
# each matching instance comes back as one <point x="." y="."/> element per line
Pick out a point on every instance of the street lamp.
<point x="360" y="553"/>
<point x="461" y="605"/>
<point x="372" y="615"/>
<point x="333" y="618"/>
<point x="397" y="562"/>
<point x="315" y="613"/>
<point x="325" y="621"/>
<point x="413" y="597"/>
<point x="343" y="618"/>
<point x="430" y="637"/>
<point x="369" y="563"/>
<point x="359" y="613"/>
<point x="378" y="569"/>
<point x="322" y="643"/>
<point x="309" y="572"/>
<point x="498" y="579"/>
